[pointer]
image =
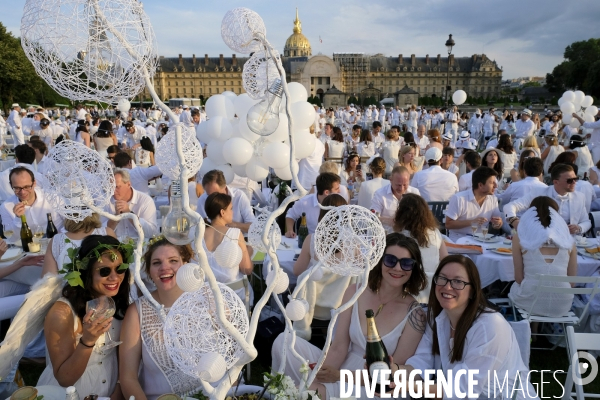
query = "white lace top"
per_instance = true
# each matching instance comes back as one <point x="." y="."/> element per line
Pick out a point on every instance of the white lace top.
<point x="158" y="374"/>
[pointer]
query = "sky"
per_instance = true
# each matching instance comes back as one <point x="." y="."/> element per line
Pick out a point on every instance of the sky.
<point x="525" y="37"/>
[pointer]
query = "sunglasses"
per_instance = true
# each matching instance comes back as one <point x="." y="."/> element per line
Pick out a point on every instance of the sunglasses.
<point x="106" y="271"/>
<point x="390" y="261"/>
<point x="570" y="181"/>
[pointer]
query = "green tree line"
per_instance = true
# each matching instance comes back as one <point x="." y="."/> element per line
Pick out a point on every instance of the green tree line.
<point x="579" y="71"/>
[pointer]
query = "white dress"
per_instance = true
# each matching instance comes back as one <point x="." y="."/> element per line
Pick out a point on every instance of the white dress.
<point x="552" y="154"/>
<point x="548" y="304"/>
<point x="584" y="160"/>
<point x="354" y="360"/>
<point x="336" y="149"/>
<point x="508" y="162"/>
<point x="431" y="253"/>
<point x="101" y="373"/>
<point x="158" y="373"/>
<point x="365" y="149"/>
<point x="389" y="152"/>
<point x="60" y="247"/>
<point x="142" y="157"/>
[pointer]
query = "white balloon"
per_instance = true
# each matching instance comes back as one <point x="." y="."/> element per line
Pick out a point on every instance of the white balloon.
<point x="567" y="107"/>
<point x="588" y="118"/>
<point x="214" y="151"/>
<point x="285" y="173"/>
<point x="229" y="94"/>
<point x="202" y="133"/>
<point x="219" y="105"/>
<point x="245" y="132"/>
<point x="243" y="103"/>
<point x="276" y="155"/>
<point x="579" y="96"/>
<point x="281" y="133"/>
<point x="256" y="170"/>
<point x="227" y="172"/>
<point x="303" y="115"/>
<point x="567" y="118"/>
<point x="237" y="151"/>
<point x="569" y="95"/>
<point x="591" y="110"/>
<point x="124" y="105"/>
<point x="560" y="101"/>
<point x="459" y="97"/>
<point x="235" y="123"/>
<point x="297" y="92"/>
<point x="207" y="165"/>
<point x="305" y="143"/>
<point x="240" y="170"/>
<point x="575" y="123"/>
<point x="587" y="101"/>
<point x="218" y="128"/>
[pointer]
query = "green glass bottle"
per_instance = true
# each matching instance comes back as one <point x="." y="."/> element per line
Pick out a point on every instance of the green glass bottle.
<point x="302" y="231"/>
<point x="26" y="235"/>
<point x="376" y="353"/>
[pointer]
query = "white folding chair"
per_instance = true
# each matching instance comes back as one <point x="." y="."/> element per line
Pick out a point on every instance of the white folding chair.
<point x="545" y="286"/>
<point x="577" y="342"/>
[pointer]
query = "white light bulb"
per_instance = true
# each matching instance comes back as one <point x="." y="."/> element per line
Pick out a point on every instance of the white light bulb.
<point x="263" y="117"/>
<point x="177" y="224"/>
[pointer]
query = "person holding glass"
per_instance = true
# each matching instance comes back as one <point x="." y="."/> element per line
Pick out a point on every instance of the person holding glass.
<point x="352" y="173"/>
<point x="76" y="337"/>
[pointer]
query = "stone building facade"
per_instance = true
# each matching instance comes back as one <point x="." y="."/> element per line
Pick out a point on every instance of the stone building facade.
<point x="351" y="74"/>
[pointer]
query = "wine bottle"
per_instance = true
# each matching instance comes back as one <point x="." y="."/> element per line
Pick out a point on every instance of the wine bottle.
<point x="26" y="235"/>
<point x="376" y="353"/>
<point x="585" y="177"/>
<point x="302" y="231"/>
<point x="50" y="228"/>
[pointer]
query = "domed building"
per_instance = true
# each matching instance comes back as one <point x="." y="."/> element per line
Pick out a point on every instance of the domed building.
<point x="297" y="45"/>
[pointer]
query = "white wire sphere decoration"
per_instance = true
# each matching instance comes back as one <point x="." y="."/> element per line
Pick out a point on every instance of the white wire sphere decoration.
<point x="73" y="50"/>
<point x="192" y="331"/>
<point x="228" y="254"/>
<point x="78" y="176"/>
<point x="239" y="29"/>
<point x="166" y="153"/>
<point x="349" y="239"/>
<point x="190" y="277"/>
<point x="256" y="230"/>
<point x="259" y="72"/>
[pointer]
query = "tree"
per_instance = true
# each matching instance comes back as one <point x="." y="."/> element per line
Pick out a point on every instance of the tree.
<point x="19" y="82"/>
<point x="531" y="84"/>
<point x="580" y="70"/>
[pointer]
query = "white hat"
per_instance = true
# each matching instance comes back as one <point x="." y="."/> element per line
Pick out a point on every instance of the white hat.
<point x="527" y="112"/>
<point x="447" y="136"/>
<point x="433" y="154"/>
<point x="185" y="106"/>
<point x="465" y="135"/>
<point x="15" y="105"/>
<point x="468" y="145"/>
<point x="550" y="134"/>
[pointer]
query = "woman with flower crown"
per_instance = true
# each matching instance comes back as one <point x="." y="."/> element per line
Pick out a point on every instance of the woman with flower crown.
<point x="74" y="336"/>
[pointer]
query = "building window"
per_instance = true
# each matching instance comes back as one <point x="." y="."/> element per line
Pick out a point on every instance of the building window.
<point x="183" y="83"/>
<point x="232" y="83"/>
<point x="210" y="90"/>
<point x="176" y="83"/>
<point x="320" y="80"/>
<point x="184" y="91"/>
<point x="169" y="90"/>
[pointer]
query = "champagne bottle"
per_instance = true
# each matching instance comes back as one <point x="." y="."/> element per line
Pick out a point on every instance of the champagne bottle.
<point x="376" y="353"/>
<point x="585" y="177"/>
<point x="50" y="228"/>
<point x="26" y="235"/>
<point x="302" y="231"/>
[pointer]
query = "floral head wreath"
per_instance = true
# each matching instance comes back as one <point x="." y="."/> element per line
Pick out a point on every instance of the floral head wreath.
<point x="155" y="239"/>
<point x="72" y="270"/>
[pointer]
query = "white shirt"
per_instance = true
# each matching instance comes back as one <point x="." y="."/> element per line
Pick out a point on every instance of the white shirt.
<point x="463" y="206"/>
<point x="5" y="188"/>
<point x="518" y="189"/>
<point x="242" y="210"/>
<point x="34" y="213"/>
<point x="308" y="168"/>
<point x="368" y="189"/>
<point x="385" y="203"/>
<point x="587" y="189"/>
<point x="435" y="183"/>
<point x="422" y="142"/>
<point x="466" y="181"/>
<point x="43" y="165"/>
<point x="141" y="205"/>
<point x="310" y="206"/>
<point x="595" y="126"/>
<point x="140" y="176"/>
<point x="524" y="128"/>
<point x="14" y="119"/>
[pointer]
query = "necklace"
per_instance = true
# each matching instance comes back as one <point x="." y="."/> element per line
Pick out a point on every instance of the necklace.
<point x="451" y="327"/>
<point x="383" y="304"/>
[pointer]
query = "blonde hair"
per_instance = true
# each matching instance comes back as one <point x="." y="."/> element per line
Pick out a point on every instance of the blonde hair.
<point x="405" y="150"/>
<point x="329" y="166"/>
<point x="530" y="141"/>
<point x="87" y="225"/>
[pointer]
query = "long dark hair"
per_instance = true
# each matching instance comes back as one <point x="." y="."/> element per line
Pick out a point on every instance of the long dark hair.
<point x="417" y="280"/>
<point x="505" y="144"/>
<point x="104" y="129"/>
<point x="543" y="205"/>
<point x="146" y="144"/>
<point x="78" y="295"/>
<point x="498" y="167"/>
<point x="477" y="305"/>
<point x="414" y="215"/>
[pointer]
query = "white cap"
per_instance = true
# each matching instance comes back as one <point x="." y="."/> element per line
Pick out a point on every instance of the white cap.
<point x="433" y="154"/>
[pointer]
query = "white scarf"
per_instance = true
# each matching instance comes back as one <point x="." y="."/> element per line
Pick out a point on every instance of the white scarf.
<point x="533" y="235"/>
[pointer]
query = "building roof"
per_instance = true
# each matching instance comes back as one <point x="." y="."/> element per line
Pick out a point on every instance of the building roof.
<point x="334" y="90"/>
<point x="406" y="90"/>
<point x="186" y="64"/>
<point x="297" y="41"/>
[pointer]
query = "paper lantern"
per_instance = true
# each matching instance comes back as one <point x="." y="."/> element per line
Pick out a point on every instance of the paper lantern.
<point x="228" y="254"/>
<point x="190" y="277"/>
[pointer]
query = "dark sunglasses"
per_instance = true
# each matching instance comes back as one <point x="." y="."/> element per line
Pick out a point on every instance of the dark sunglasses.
<point x="570" y="181"/>
<point x="390" y="261"/>
<point x="106" y="271"/>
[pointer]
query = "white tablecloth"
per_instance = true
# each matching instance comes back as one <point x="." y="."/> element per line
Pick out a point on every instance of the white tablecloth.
<point x="285" y="255"/>
<point x="6" y="164"/>
<point x="493" y="266"/>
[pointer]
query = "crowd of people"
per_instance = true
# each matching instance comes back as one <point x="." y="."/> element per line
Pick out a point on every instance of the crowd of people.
<point x="506" y="172"/>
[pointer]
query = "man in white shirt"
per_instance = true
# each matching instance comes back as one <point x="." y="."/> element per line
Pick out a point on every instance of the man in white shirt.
<point x="594" y="136"/>
<point x="126" y="199"/>
<point x="41" y="161"/>
<point x="132" y="134"/>
<point x="472" y="161"/>
<point x="29" y="200"/>
<point x="435" y="183"/>
<point x="571" y="204"/>
<point x="308" y="167"/>
<point x="524" y="126"/>
<point x="377" y="136"/>
<point x="327" y="183"/>
<point x="24" y="157"/>
<point x="15" y="124"/>
<point x="139" y="176"/>
<point x="478" y="205"/>
<point x="534" y="168"/>
<point x="385" y="200"/>
<point x="421" y="139"/>
<point x="214" y="181"/>
<point x="452" y="119"/>
<point x="327" y="132"/>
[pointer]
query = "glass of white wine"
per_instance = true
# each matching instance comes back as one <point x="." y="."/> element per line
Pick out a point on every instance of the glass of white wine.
<point x="474" y="227"/>
<point x="8" y="233"/>
<point x="103" y="306"/>
<point x="38" y="232"/>
<point x="484" y="231"/>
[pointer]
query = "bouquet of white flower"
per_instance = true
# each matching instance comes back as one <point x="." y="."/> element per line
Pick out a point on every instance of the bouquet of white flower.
<point x="282" y="387"/>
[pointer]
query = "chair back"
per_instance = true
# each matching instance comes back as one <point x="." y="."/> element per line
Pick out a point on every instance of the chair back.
<point x="577" y="342"/>
<point x="581" y="280"/>
<point x="595" y="219"/>
<point x="438" y="208"/>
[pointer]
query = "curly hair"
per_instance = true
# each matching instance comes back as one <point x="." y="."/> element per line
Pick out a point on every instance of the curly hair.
<point x="185" y="252"/>
<point x="413" y="214"/>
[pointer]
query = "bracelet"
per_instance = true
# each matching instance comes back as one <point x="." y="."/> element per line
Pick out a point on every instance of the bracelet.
<point x="397" y="366"/>
<point x="85" y="345"/>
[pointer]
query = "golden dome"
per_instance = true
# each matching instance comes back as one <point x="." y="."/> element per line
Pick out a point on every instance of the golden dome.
<point x="297" y="45"/>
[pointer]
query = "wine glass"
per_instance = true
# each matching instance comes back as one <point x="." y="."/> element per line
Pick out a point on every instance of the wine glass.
<point x="38" y="232"/>
<point x="103" y="306"/>
<point x="474" y="227"/>
<point x="8" y="233"/>
<point x="484" y="231"/>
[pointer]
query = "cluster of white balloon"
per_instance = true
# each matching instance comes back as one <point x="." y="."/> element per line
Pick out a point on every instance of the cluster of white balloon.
<point x="577" y="102"/>
<point x="233" y="147"/>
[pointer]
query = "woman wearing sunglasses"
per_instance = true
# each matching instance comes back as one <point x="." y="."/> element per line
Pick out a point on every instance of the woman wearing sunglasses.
<point x="464" y="334"/>
<point x="74" y="336"/>
<point x="391" y="288"/>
